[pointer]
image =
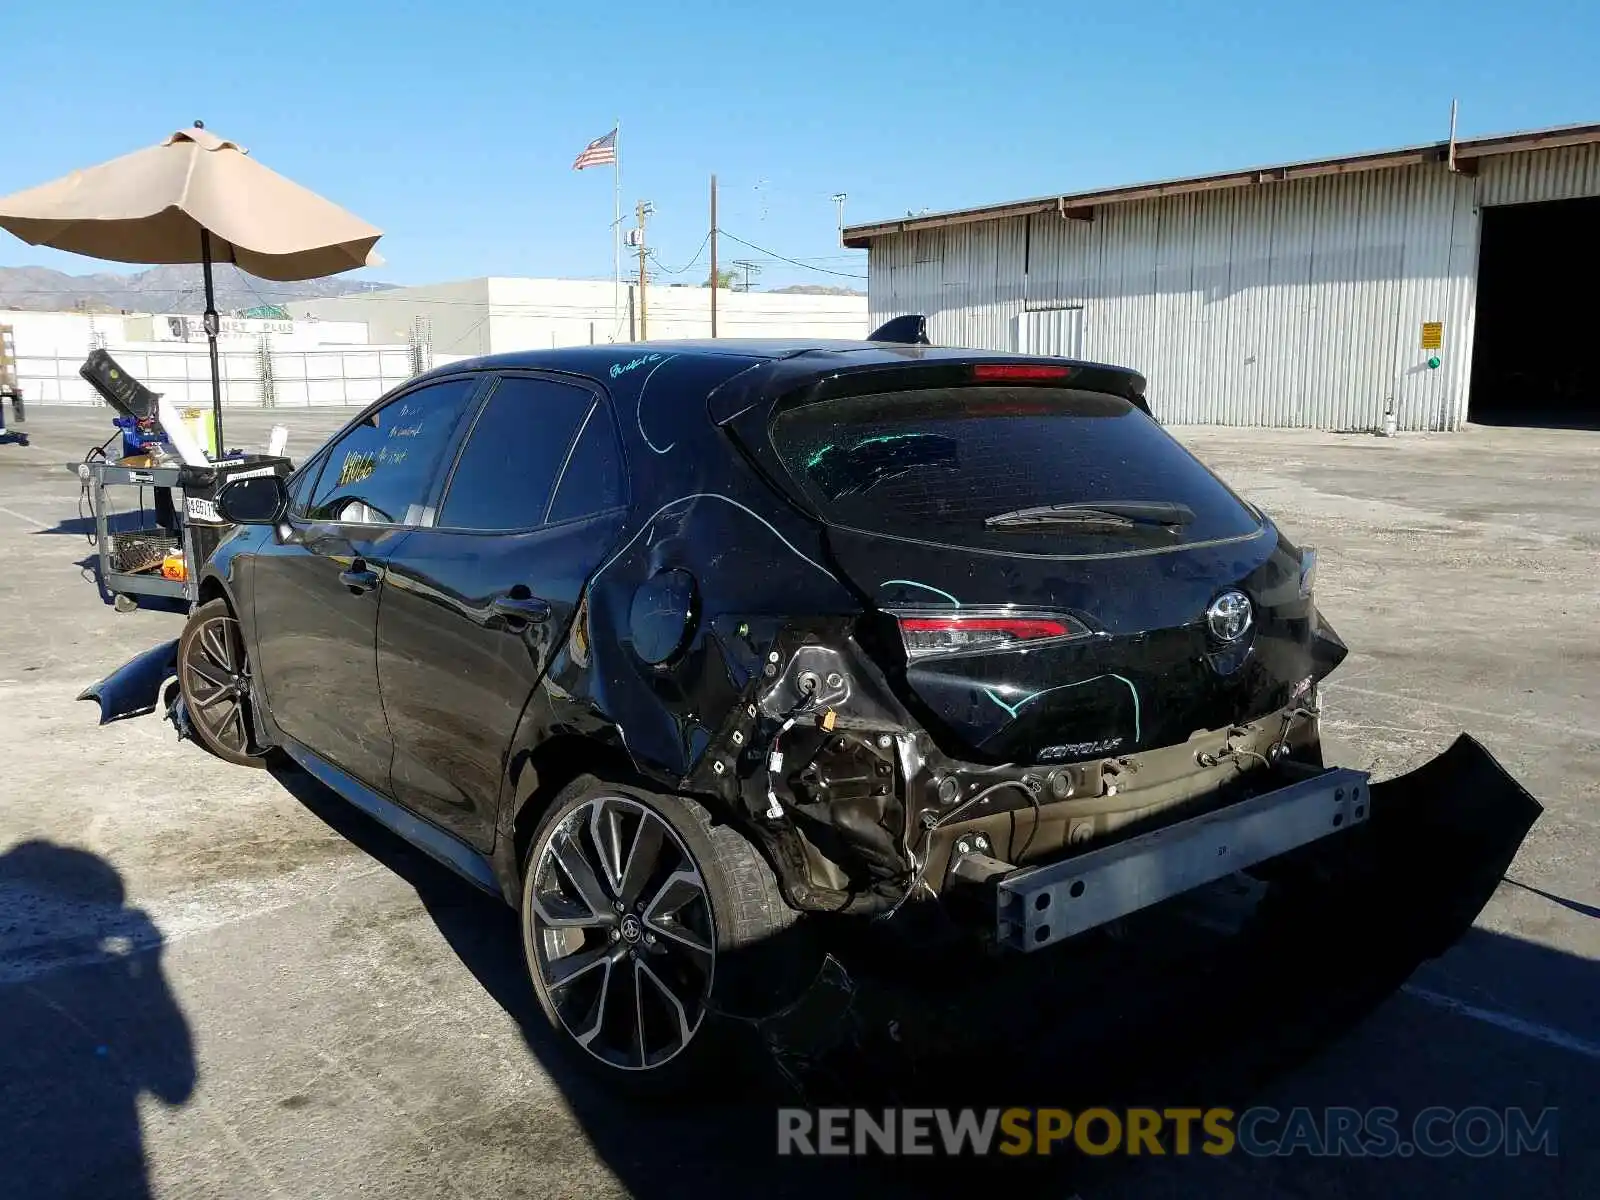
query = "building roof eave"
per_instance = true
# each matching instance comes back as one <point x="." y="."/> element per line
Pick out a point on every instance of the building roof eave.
<point x="1081" y="205"/>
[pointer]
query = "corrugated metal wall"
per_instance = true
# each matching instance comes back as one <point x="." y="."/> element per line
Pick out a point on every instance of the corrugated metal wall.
<point x="1564" y="174"/>
<point x="1290" y="304"/>
<point x="967" y="279"/>
<point x="1055" y="331"/>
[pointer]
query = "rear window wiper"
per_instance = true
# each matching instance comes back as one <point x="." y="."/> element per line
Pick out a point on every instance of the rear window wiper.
<point x="1113" y="514"/>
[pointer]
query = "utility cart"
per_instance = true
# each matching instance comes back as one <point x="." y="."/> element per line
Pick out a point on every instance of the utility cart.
<point x="163" y="553"/>
<point x="137" y="562"/>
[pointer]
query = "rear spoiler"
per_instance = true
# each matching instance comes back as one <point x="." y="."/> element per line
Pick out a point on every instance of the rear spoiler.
<point x="911" y="330"/>
<point x="836" y="372"/>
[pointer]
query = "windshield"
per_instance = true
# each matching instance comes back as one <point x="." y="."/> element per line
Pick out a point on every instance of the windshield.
<point x="942" y="464"/>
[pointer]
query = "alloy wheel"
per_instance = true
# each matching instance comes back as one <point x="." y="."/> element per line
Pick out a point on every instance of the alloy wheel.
<point x="217" y="673"/>
<point x="621" y="932"/>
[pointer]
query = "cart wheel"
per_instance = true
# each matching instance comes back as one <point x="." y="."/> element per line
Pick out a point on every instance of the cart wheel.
<point x="124" y="603"/>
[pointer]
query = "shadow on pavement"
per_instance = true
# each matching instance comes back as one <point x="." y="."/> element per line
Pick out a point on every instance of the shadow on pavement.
<point x="703" y="1150"/>
<point x="128" y="520"/>
<point x="1177" y="1017"/>
<point x="87" y="1027"/>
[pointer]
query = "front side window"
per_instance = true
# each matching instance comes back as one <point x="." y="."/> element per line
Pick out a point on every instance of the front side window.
<point x="380" y="472"/>
<point x="300" y="490"/>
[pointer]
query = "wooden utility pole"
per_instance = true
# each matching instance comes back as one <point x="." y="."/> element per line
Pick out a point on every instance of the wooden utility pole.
<point x="642" y="211"/>
<point x="714" y="283"/>
<point x="750" y="268"/>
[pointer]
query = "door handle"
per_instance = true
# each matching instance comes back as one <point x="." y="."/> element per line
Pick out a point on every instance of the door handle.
<point x="521" y="608"/>
<point x="359" y="578"/>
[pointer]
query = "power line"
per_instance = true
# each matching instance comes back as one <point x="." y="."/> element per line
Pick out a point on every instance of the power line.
<point x="254" y="291"/>
<point x="666" y="270"/>
<point x="792" y="261"/>
<point x="806" y="262"/>
<point x="465" y="334"/>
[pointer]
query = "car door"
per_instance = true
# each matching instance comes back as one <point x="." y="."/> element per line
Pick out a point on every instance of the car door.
<point x="476" y="604"/>
<point x="317" y="584"/>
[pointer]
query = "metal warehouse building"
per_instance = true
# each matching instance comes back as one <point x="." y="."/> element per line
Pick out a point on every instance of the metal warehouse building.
<point x="1457" y="280"/>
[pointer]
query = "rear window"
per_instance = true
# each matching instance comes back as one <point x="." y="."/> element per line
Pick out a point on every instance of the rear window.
<point x="1016" y="469"/>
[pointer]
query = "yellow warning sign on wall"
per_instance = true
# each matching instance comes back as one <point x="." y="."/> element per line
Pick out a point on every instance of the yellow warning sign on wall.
<point x="1432" y="335"/>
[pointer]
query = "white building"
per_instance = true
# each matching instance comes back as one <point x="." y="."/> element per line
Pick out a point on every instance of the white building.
<point x="496" y="314"/>
<point x="73" y="333"/>
<point x="1454" y="281"/>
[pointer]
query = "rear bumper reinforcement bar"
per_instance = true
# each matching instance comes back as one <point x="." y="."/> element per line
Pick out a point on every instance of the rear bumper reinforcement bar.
<point x="1039" y="906"/>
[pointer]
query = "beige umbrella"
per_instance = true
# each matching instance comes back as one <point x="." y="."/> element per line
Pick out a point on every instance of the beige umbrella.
<point x="194" y="198"/>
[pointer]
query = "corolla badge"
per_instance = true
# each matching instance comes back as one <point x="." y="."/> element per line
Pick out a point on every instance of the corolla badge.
<point x="1229" y="616"/>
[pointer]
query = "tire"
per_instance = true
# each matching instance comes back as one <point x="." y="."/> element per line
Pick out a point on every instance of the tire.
<point x="214" y="677"/>
<point x="702" y="944"/>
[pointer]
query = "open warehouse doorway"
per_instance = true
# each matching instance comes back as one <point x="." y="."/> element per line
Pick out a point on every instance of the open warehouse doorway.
<point x="1533" y="359"/>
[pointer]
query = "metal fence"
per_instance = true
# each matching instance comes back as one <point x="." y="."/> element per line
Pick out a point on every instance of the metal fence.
<point x="352" y="376"/>
<point x="252" y="377"/>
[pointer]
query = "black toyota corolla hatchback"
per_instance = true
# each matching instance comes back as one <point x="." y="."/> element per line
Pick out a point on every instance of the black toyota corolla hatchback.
<point x="673" y="644"/>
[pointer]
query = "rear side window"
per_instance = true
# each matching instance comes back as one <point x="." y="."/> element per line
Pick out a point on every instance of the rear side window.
<point x="1017" y="469"/>
<point x="592" y="480"/>
<point x="513" y="455"/>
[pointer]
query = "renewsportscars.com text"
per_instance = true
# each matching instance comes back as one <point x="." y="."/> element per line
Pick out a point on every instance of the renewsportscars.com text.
<point x="1261" y="1132"/>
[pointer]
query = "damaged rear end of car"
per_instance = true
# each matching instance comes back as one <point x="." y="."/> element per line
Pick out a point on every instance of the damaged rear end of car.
<point x="1084" y="678"/>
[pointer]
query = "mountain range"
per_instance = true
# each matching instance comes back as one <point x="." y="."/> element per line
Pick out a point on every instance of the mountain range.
<point x="168" y="289"/>
<point x="179" y="289"/>
<point x="816" y="289"/>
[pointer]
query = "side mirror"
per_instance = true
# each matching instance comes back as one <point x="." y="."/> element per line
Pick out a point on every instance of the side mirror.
<point x="259" y="501"/>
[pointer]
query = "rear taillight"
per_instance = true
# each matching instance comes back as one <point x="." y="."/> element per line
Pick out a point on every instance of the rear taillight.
<point x="925" y="637"/>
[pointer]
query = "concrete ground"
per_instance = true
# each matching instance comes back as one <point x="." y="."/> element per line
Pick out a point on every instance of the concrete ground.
<point x="218" y="982"/>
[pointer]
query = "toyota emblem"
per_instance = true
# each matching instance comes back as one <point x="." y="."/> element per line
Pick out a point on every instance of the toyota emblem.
<point x="1229" y="616"/>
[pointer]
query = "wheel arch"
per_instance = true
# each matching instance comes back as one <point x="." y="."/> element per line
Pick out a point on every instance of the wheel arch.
<point x="535" y="776"/>
<point x="212" y="588"/>
<point x="200" y="723"/>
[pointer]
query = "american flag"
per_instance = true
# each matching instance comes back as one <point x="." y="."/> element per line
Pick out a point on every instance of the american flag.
<point x="598" y="153"/>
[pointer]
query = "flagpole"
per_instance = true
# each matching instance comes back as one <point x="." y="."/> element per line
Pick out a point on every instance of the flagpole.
<point x="616" y="237"/>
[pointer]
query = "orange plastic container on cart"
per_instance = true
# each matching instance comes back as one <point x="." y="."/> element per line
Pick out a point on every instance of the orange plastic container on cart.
<point x="173" y="567"/>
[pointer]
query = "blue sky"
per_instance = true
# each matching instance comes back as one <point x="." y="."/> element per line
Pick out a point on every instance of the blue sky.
<point x="454" y="126"/>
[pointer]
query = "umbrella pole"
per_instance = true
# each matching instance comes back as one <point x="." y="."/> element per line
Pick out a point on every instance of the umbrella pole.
<point x="211" y="337"/>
